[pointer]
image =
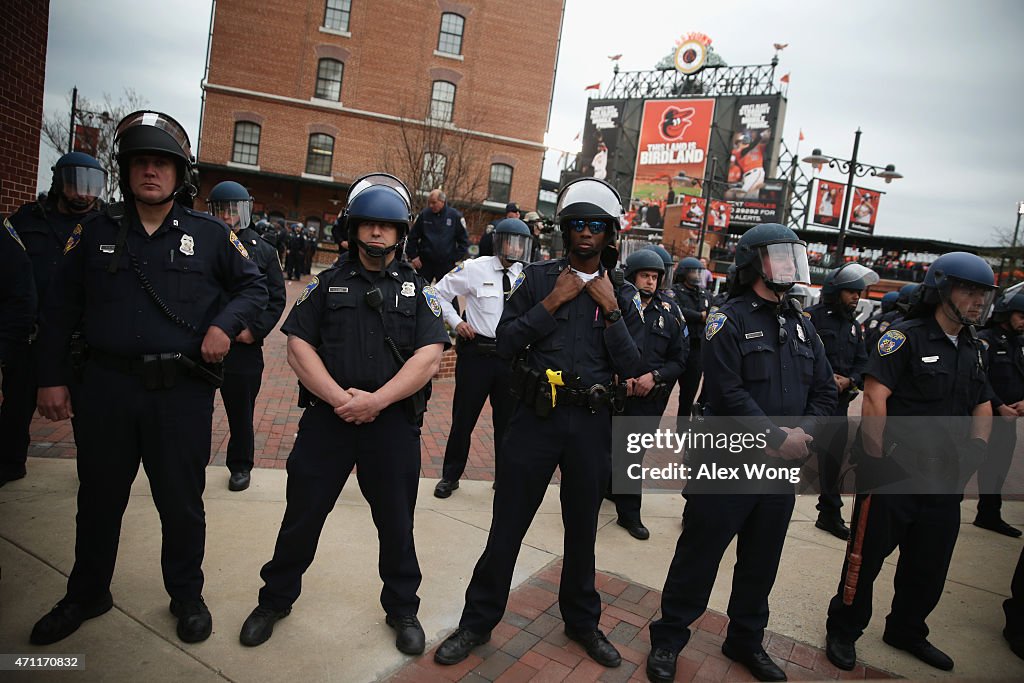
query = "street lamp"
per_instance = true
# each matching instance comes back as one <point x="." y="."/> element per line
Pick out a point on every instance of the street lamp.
<point x="853" y="169"/>
<point x="83" y="115"/>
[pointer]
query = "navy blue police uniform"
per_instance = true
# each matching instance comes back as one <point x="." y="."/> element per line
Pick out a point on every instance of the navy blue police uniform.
<point x="843" y="339"/>
<point x="439" y="240"/>
<point x="575" y="437"/>
<point x="295" y="258"/>
<point x="761" y="360"/>
<point x="140" y="306"/>
<point x="334" y="316"/>
<point x="18" y="306"/>
<point x="243" y="366"/>
<point x="885" y="321"/>
<point x="694" y="304"/>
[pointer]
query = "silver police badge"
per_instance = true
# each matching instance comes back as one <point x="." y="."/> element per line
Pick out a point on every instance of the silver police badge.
<point x="800" y="332"/>
<point x="187" y="246"/>
<point x="408" y="289"/>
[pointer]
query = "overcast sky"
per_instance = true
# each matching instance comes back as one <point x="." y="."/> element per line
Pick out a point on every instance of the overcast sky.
<point x="936" y="86"/>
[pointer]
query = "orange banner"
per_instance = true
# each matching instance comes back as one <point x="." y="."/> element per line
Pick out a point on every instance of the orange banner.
<point x="673" y="147"/>
<point x="864" y="209"/>
<point x="828" y="203"/>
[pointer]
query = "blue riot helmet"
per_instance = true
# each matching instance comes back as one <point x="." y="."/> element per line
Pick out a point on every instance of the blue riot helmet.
<point x="513" y="240"/>
<point x="690" y="272"/>
<point x="1006" y="305"/>
<point x="378" y="198"/>
<point x="645" y="259"/>
<point x="669" y="262"/>
<point x="907" y="295"/>
<point x="231" y="202"/>
<point x="151" y="132"/>
<point x="773" y="252"/>
<point x="962" y="284"/>
<point x="79" y="180"/>
<point x="889" y="300"/>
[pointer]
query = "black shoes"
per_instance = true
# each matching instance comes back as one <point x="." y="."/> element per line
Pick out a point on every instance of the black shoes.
<point x="259" y="625"/>
<point x="194" y="621"/>
<point x="65" y="618"/>
<point x="923" y="650"/>
<point x="597" y="647"/>
<point x="1016" y="643"/>
<point x="14" y="474"/>
<point x="636" y="529"/>
<point x="458" y="645"/>
<point x="661" y="665"/>
<point x="835" y="525"/>
<point x="444" y="488"/>
<point x="840" y="651"/>
<point x="757" y="662"/>
<point x="239" y="481"/>
<point x="411" y="639"/>
<point x="997" y="525"/>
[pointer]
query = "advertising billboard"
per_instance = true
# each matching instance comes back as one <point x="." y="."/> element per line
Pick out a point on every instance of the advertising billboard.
<point x="864" y="210"/>
<point x="672" y="149"/>
<point x="828" y="203"/>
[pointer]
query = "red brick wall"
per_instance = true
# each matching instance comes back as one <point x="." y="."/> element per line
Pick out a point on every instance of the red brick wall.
<point x="24" y="26"/>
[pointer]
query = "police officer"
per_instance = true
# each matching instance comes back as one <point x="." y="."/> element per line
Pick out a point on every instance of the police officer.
<point x="930" y="364"/>
<point x="887" y="304"/>
<point x="1005" y="364"/>
<point x="295" y="258"/>
<point x="897" y="314"/>
<point x="18" y="306"/>
<point x="147" y="280"/>
<point x="486" y="245"/>
<point x="479" y="372"/>
<point x="1013" y="608"/>
<point x="243" y="366"/>
<point x="43" y="227"/>
<point x="438" y="238"/>
<point x="844" y="347"/>
<point x="364" y="338"/>
<point x="723" y="294"/>
<point x="663" y="357"/>
<point x="568" y="314"/>
<point x="311" y="247"/>
<point x="761" y="358"/>
<point x="694" y="302"/>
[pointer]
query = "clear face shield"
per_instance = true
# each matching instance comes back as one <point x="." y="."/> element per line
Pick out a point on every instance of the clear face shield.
<point x="82" y="185"/>
<point x="966" y="302"/>
<point x="513" y="247"/>
<point x="784" y="265"/>
<point x="236" y="214"/>
<point x="694" y="276"/>
<point x="670" y="276"/>
<point x="855" y="276"/>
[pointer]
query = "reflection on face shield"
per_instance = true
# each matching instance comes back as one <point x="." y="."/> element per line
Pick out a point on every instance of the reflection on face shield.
<point x="514" y="247"/>
<point x="82" y="184"/>
<point x="969" y="302"/>
<point x="694" y="276"/>
<point x="785" y="264"/>
<point x="236" y="214"/>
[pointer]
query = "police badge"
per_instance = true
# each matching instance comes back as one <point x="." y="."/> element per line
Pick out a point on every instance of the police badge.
<point x="187" y="246"/>
<point x="430" y="294"/>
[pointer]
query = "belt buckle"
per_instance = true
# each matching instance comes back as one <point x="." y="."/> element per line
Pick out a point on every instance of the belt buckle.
<point x="596" y="397"/>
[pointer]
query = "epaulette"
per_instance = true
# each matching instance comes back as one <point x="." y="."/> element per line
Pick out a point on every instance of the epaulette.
<point x="205" y="216"/>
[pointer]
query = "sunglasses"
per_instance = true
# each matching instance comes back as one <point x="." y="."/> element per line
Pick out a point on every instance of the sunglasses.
<point x="595" y="227"/>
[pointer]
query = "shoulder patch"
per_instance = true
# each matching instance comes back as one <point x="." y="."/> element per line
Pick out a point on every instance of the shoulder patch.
<point x="238" y="245"/>
<point x="73" y="240"/>
<point x="716" y="321"/>
<point x="984" y="343"/>
<point x="806" y="314"/>
<point x="308" y="290"/>
<point x="639" y="306"/>
<point x="667" y="306"/>
<point x="14" y="234"/>
<point x="430" y="294"/>
<point x="520" y="279"/>
<point x="457" y="269"/>
<point x="890" y="342"/>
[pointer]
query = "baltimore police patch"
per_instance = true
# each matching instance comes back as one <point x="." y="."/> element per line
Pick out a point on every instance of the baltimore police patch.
<point x="716" y="321"/>
<point x="308" y="290"/>
<point x="14" y="234"/>
<point x="239" y="246"/>
<point x="72" y="242"/>
<point x="639" y="306"/>
<point x="515" y="285"/>
<point x="890" y="342"/>
<point x="430" y="294"/>
<point x="457" y="269"/>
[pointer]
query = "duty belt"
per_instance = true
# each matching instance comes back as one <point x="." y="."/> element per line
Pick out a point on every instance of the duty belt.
<point x="485" y="346"/>
<point x="159" y="371"/>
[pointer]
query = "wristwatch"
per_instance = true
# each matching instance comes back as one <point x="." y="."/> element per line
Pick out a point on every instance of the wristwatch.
<point x="656" y="375"/>
<point x="613" y="316"/>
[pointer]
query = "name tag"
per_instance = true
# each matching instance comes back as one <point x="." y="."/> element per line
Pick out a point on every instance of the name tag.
<point x="106" y="248"/>
<point x="487" y="284"/>
<point x="753" y="335"/>
<point x="337" y="290"/>
<point x="1000" y="353"/>
<point x="929" y="359"/>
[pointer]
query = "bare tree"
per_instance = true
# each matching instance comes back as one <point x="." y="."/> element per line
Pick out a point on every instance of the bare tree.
<point x="103" y="115"/>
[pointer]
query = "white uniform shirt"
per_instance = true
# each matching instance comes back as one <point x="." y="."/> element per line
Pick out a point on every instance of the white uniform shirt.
<point x="479" y="280"/>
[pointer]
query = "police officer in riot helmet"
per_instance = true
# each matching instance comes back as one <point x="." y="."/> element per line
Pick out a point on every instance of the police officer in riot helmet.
<point x="764" y="364"/>
<point x="159" y="290"/>
<point x="931" y="364"/>
<point x="887" y="304"/>
<point x="694" y="301"/>
<point x="568" y="321"/>
<point x="43" y="228"/>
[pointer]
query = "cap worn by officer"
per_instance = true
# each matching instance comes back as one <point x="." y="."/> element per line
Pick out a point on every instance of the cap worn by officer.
<point x="511" y="207"/>
<point x="232" y="203"/>
<point x="513" y="240"/>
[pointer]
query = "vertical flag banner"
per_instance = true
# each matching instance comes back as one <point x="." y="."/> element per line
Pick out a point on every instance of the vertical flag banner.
<point x="828" y="203"/>
<point x="864" y="209"/>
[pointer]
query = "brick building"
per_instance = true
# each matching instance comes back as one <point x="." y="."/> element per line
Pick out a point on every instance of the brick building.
<point x="23" y="65"/>
<point x="440" y="92"/>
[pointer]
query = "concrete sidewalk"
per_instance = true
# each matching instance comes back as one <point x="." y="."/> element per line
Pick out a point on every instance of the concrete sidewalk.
<point x="336" y="630"/>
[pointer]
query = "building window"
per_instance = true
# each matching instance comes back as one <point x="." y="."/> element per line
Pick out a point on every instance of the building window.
<point x="246" y="149"/>
<point x="328" y="79"/>
<point x="337" y="14"/>
<point x="320" y="154"/>
<point x="442" y="101"/>
<point x="500" y="186"/>
<point x="433" y="171"/>
<point x="450" y="39"/>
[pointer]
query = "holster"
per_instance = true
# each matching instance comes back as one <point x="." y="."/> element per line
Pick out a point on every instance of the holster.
<point x="416" y="405"/>
<point x="307" y="399"/>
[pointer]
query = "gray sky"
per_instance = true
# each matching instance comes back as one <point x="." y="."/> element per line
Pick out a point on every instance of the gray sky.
<point x="935" y="86"/>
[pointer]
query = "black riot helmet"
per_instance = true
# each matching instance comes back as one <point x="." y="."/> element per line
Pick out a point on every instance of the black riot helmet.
<point x="645" y="259"/>
<point x="79" y="180"/>
<point x="849" y="276"/>
<point x="513" y="240"/>
<point x="690" y="272"/>
<point x="666" y="257"/>
<point x="152" y="132"/>
<point x="776" y="254"/>
<point x="1006" y="305"/>
<point x="377" y="198"/>
<point x="232" y="203"/>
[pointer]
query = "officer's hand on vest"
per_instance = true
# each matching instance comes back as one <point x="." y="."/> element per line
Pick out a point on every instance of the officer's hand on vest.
<point x="795" y="445"/>
<point x="465" y="330"/>
<point x="601" y="291"/>
<point x="216" y="345"/>
<point x="362" y="408"/>
<point x="54" y="403"/>
<point x="568" y="286"/>
<point x="245" y="337"/>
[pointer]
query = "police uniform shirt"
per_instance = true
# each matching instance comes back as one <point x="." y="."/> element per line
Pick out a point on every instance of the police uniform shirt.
<point x="575" y="339"/>
<point x="191" y="261"/>
<point x="669" y="296"/>
<point x="693" y="302"/>
<point x="480" y="281"/>
<point x="1004" y="354"/>
<point x="843" y="340"/>
<point x="749" y="371"/>
<point x="44" y="231"/>
<point x="264" y="255"/>
<point x="666" y="343"/>
<point x="17" y="292"/>
<point x="333" y="316"/>
<point x="439" y="237"/>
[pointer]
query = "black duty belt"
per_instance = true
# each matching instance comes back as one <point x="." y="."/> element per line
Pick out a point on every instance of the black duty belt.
<point x="158" y="371"/>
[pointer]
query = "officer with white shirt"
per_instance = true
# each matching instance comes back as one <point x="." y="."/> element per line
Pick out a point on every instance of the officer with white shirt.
<point x="479" y="372"/>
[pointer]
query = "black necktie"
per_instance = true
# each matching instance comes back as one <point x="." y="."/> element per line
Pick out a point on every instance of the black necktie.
<point x="506" y="284"/>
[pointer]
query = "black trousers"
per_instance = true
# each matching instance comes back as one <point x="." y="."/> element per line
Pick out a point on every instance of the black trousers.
<point x="992" y="473"/>
<point x="386" y="456"/>
<point x="627" y="505"/>
<point x="435" y="269"/>
<point x="479" y="375"/>
<point x="924" y="528"/>
<point x="710" y="522"/>
<point x="830" y="460"/>
<point x="293" y="265"/>
<point x="578" y="442"/>
<point x="243" y="375"/>
<point x="19" y="404"/>
<point x="119" y="424"/>
<point x="1013" y="606"/>
<point x="690" y="380"/>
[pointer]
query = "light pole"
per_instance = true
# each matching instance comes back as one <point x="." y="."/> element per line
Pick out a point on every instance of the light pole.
<point x="83" y="115"/>
<point x="1013" y="245"/>
<point x="853" y="169"/>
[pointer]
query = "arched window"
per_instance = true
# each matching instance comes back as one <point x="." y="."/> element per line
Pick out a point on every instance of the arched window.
<point x="320" y="154"/>
<point x="246" y="147"/>
<point x="449" y="40"/>
<point x="500" y="187"/>
<point x="328" y="79"/>
<point x="442" y="101"/>
<point x="337" y="14"/>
